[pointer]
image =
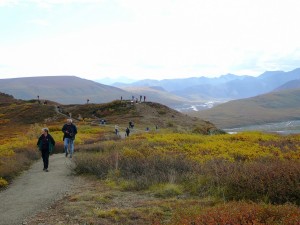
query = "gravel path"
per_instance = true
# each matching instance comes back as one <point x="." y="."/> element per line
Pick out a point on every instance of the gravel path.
<point x="35" y="190"/>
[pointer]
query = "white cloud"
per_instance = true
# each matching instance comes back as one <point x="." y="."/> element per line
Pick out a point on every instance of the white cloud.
<point x="160" y="39"/>
<point x="39" y="22"/>
<point x="8" y="2"/>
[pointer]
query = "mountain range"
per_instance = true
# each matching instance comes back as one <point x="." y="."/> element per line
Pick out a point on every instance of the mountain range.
<point x="223" y="88"/>
<point x="272" y="96"/>
<point x="171" y="92"/>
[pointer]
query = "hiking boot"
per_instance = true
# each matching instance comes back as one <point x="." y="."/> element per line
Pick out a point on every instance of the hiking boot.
<point x="70" y="156"/>
<point x="66" y="154"/>
<point x="46" y="170"/>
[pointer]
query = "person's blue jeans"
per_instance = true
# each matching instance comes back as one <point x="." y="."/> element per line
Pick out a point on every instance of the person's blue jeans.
<point x="69" y="146"/>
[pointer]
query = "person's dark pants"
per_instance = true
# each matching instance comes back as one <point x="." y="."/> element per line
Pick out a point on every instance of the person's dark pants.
<point x="45" y="156"/>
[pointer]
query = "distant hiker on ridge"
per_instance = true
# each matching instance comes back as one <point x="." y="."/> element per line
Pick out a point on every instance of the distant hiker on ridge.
<point x="127" y="132"/>
<point x="116" y="129"/>
<point x="69" y="130"/>
<point x="131" y="125"/>
<point x="46" y="144"/>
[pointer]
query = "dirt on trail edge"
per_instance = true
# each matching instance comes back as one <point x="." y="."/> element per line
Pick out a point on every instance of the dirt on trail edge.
<point x="35" y="190"/>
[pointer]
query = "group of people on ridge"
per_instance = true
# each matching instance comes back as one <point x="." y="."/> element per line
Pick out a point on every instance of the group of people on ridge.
<point x="46" y="142"/>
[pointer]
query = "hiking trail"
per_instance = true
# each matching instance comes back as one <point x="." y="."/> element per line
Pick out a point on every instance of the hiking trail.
<point x="35" y="190"/>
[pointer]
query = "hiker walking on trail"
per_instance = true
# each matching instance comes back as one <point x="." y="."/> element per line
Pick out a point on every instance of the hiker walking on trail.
<point x="116" y="129"/>
<point x="69" y="130"/>
<point x="127" y="132"/>
<point x="46" y="144"/>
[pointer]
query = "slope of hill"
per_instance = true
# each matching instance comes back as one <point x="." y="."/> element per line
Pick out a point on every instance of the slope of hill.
<point x="21" y="112"/>
<point x="62" y="89"/>
<point x="145" y="114"/>
<point x="272" y="107"/>
<point x="293" y="84"/>
<point x="6" y="99"/>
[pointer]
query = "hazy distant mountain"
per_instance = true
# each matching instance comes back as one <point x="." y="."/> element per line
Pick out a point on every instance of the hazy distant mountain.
<point x="110" y="81"/>
<point x="61" y="89"/>
<point x="272" y="107"/>
<point x="234" y="89"/>
<point x="172" y="85"/>
<point x="225" y="87"/>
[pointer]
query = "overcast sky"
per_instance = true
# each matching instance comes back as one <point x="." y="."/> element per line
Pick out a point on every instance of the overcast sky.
<point x="158" y="39"/>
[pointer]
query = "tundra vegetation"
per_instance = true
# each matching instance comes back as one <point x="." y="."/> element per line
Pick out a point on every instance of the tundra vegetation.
<point x="168" y="176"/>
<point x="246" y="178"/>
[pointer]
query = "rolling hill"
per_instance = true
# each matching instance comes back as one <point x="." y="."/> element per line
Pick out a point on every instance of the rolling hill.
<point x="62" y="89"/>
<point x="272" y="107"/>
<point x="145" y="114"/>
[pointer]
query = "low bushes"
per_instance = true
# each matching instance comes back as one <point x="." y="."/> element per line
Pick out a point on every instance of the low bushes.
<point x="132" y="165"/>
<point x="272" y="180"/>
<point x="146" y="160"/>
<point x="241" y="213"/>
<point x="13" y="164"/>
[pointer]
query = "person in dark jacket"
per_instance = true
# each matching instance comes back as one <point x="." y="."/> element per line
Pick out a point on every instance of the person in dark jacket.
<point x="69" y="130"/>
<point x="127" y="132"/>
<point x="46" y="144"/>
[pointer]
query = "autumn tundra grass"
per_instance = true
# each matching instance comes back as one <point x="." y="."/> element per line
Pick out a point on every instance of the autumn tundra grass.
<point x="253" y="166"/>
<point x="251" y="178"/>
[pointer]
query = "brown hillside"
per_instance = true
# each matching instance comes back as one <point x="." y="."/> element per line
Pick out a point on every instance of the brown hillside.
<point x="5" y="98"/>
<point x="145" y="114"/>
<point x="13" y="111"/>
<point x="62" y="89"/>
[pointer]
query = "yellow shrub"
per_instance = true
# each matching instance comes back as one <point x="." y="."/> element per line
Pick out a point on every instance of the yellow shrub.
<point x="3" y="182"/>
<point x="243" y="146"/>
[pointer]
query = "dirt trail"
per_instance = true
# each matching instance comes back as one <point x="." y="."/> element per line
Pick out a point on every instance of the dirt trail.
<point x="35" y="190"/>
